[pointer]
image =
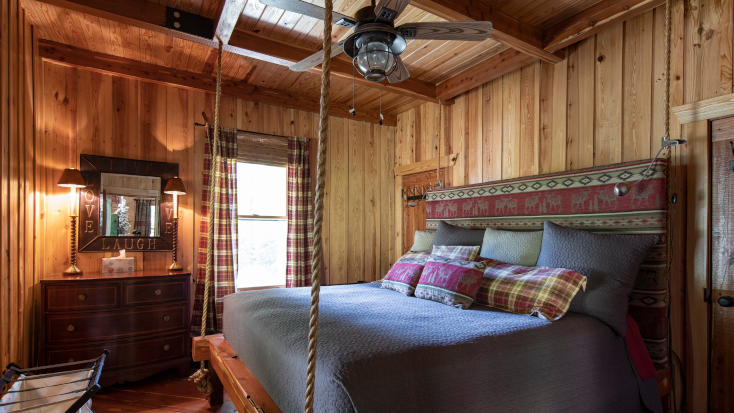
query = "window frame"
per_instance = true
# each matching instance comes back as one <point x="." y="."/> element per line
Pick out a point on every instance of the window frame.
<point x="267" y="218"/>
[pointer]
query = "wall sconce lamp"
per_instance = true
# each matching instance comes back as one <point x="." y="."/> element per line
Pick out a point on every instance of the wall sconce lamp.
<point x="623" y="188"/>
<point x="175" y="187"/>
<point x="72" y="178"/>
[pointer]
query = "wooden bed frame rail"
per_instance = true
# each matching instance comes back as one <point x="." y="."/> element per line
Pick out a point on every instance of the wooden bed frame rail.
<point x="229" y="373"/>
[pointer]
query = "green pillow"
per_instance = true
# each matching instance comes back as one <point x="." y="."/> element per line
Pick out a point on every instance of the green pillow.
<point x="422" y="241"/>
<point x="511" y="247"/>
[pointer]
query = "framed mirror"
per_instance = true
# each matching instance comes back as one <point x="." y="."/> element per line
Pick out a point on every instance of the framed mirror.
<point x="123" y="205"/>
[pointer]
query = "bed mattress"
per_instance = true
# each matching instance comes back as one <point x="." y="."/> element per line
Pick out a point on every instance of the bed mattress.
<point x="379" y="350"/>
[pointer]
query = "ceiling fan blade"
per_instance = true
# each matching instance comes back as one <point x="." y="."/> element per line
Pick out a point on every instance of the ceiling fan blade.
<point x="466" y="31"/>
<point x="310" y="10"/>
<point x="317" y="58"/>
<point x="390" y="9"/>
<point x="400" y="73"/>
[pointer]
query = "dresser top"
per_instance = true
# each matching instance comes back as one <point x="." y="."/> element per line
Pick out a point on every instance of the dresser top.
<point x="115" y="275"/>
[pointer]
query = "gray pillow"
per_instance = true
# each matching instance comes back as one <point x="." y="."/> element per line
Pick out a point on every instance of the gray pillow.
<point x="448" y="234"/>
<point x="512" y="247"/>
<point x="422" y="241"/>
<point x="610" y="263"/>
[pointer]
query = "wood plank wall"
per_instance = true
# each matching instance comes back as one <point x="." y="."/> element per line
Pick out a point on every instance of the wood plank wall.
<point x="602" y="105"/>
<point x="20" y="207"/>
<point x="91" y="113"/>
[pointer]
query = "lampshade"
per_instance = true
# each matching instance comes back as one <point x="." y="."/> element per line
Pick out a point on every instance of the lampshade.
<point x="71" y="178"/>
<point x="175" y="186"/>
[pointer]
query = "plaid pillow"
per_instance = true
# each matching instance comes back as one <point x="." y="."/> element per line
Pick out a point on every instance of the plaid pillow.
<point x="542" y="291"/>
<point x="404" y="275"/>
<point x="456" y="252"/>
<point x="449" y="281"/>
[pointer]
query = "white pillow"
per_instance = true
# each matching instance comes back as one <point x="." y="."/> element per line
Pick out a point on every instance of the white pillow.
<point x="422" y="241"/>
<point x="511" y="247"/>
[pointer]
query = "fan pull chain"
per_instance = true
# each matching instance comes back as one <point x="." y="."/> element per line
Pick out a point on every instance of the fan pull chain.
<point x="380" y="104"/>
<point x="354" y="107"/>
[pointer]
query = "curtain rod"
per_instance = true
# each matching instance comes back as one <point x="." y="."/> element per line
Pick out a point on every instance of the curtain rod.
<point x="252" y="133"/>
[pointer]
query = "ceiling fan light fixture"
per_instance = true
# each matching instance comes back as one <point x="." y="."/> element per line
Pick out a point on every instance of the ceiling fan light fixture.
<point x="374" y="60"/>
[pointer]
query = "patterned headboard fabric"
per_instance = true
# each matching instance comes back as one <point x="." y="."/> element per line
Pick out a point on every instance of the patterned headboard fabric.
<point x="581" y="199"/>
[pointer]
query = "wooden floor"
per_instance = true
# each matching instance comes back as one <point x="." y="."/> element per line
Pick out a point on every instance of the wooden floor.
<point x="164" y="392"/>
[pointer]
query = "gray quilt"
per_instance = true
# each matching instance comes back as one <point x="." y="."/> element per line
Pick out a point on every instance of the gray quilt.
<point x="380" y="351"/>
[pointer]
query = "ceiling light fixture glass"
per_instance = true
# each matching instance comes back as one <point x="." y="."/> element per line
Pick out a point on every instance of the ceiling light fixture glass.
<point x="374" y="60"/>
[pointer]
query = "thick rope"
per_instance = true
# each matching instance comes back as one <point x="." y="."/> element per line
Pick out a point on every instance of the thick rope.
<point x="438" y="158"/>
<point x="201" y="377"/>
<point x="313" y="325"/>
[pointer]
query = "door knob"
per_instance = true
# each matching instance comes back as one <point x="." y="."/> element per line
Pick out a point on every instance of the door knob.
<point x="726" y="301"/>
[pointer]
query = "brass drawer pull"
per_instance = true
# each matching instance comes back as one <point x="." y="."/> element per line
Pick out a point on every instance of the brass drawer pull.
<point x="166" y="318"/>
<point x="82" y="297"/>
<point x="166" y="347"/>
<point x="70" y="328"/>
<point x="71" y="360"/>
<point x="158" y="292"/>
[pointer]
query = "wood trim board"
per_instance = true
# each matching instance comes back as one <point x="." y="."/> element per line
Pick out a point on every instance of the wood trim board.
<point x="424" y="166"/>
<point x="718" y="107"/>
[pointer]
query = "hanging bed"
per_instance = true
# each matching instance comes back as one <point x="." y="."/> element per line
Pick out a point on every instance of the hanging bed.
<point x="380" y="350"/>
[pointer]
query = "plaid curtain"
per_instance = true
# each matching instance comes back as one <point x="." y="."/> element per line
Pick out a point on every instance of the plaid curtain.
<point x="224" y="259"/>
<point x="142" y="217"/>
<point x="300" y="215"/>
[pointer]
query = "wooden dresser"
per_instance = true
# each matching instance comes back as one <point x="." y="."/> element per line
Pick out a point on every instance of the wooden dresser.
<point x="142" y="317"/>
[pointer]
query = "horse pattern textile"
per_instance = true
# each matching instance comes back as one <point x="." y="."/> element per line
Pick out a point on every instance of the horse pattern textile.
<point x="224" y="254"/>
<point x="300" y="215"/>
<point x="582" y="199"/>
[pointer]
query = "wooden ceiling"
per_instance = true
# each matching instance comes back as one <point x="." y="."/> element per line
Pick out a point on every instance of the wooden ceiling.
<point x="430" y="62"/>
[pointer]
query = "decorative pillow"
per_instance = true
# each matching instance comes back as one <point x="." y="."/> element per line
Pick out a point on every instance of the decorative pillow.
<point x="404" y="275"/>
<point x="456" y="252"/>
<point x="422" y="241"/>
<point x="610" y="263"/>
<point x="449" y="281"/>
<point x="512" y="247"/>
<point x="448" y="234"/>
<point x="545" y="292"/>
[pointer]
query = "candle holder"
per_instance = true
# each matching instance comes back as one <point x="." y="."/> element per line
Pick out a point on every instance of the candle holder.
<point x="175" y="187"/>
<point x="72" y="178"/>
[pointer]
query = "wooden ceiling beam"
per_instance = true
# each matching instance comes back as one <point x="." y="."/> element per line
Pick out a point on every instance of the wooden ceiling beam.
<point x="593" y="20"/>
<point x="135" y="69"/>
<point x="492" y="68"/>
<point x="506" y="29"/>
<point x="227" y="18"/>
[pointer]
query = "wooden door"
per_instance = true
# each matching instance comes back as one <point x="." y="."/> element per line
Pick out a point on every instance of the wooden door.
<point x="414" y="218"/>
<point x="722" y="266"/>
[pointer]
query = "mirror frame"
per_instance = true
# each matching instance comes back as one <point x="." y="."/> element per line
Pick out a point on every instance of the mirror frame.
<point x="92" y="167"/>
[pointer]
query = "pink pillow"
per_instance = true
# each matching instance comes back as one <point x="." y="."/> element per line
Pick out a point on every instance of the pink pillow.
<point x="462" y="253"/>
<point x="404" y="275"/>
<point x="449" y="281"/>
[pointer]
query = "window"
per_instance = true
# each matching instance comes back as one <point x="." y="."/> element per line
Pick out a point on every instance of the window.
<point x="262" y="225"/>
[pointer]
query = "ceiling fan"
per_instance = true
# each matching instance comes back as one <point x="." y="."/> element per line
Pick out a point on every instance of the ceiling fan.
<point x="376" y="44"/>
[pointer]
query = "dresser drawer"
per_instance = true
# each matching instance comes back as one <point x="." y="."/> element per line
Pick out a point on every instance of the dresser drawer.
<point x="142" y="293"/>
<point x="83" y="297"/>
<point x="125" y="353"/>
<point x="67" y="328"/>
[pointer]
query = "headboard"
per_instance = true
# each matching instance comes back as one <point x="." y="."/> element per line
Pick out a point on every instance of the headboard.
<point x="581" y="199"/>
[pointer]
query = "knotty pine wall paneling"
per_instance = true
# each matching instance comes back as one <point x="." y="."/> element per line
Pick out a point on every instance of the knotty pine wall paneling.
<point x="21" y="261"/>
<point x="99" y="114"/>
<point x="602" y="105"/>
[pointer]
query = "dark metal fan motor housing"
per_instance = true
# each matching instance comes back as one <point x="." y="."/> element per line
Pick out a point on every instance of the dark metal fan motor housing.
<point x="374" y="46"/>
